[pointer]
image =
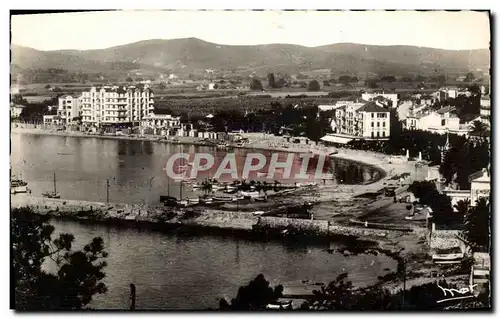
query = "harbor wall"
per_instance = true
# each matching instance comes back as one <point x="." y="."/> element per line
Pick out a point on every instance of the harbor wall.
<point x="230" y="220"/>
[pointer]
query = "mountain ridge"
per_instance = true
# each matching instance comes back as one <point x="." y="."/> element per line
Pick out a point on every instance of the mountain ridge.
<point x="190" y="54"/>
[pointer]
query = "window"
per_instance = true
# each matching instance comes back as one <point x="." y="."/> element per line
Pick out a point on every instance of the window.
<point x="383" y="124"/>
<point x="443" y="122"/>
<point x="372" y="134"/>
<point x="383" y="134"/>
<point x="373" y="114"/>
<point x="378" y="124"/>
<point x="372" y="124"/>
<point x="378" y="134"/>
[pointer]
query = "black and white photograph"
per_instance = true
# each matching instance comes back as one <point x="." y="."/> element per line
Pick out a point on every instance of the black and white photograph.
<point x="250" y="160"/>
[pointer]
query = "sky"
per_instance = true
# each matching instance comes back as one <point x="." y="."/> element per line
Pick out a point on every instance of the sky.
<point x="462" y="30"/>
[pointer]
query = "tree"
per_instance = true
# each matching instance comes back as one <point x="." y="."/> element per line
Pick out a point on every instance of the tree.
<point x="255" y="296"/>
<point x="271" y="80"/>
<point x="441" y="79"/>
<point x="477" y="224"/>
<point x="479" y="127"/>
<point x="337" y="295"/>
<point x="139" y="79"/>
<point x="420" y="78"/>
<point x="256" y="85"/>
<point x="129" y="79"/>
<point x="162" y="85"/>
<point x="47" y="86"/>
<point x="388" y="78"/>
<point x="469" y="77"/>
<point x="314" y="86"/>
<point x="462" y="207"/>
<point x="79" y="275"/>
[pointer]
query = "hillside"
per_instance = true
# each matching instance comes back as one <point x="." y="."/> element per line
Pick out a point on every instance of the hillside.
<point x="191" y="54"/>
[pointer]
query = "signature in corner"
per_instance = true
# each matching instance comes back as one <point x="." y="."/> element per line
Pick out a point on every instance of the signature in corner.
<point x="463" y="293"/>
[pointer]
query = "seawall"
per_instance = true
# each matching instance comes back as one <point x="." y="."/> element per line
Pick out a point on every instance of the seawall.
<point x="98" y="212"/>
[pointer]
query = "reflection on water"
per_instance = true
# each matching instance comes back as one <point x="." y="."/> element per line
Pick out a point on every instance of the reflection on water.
<point x="192" y="272"/>
<point x="135" y="169"/>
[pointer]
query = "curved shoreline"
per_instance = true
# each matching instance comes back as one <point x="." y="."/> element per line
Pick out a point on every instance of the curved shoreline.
<point x="328" y="151"/>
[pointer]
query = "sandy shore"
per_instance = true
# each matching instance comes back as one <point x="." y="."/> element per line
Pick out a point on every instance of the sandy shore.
<point x="384" y="163"/>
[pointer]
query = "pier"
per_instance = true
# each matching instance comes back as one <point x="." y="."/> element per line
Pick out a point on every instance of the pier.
<point x="99" y="212"/>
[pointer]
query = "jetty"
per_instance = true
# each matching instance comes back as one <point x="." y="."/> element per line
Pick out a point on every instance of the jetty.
<point x="139" y="214"/>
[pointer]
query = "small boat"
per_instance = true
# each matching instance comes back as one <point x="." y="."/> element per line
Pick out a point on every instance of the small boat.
<point x="238" y="197"/>
<point x="206" y="200"/>
<point x="54" y="193"/>
<point x="224" y="199"/>
<point x="182" y="202"/>
<point x="217" y="187"/>
<point x="18" y="186"/>
<point x="250" y="194"/>
<point x="259" y="213"/>
<point x="260" y="199"/>
<point x="196" y="185"/>
<point x="231" y="189"/>
<point x="194" y="200"/>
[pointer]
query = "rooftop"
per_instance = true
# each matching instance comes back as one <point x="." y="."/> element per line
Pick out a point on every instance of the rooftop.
<point x="446" y="109"/>
<point x="372" y="107"/>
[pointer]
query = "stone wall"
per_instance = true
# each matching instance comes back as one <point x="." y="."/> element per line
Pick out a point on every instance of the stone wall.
<point x="298" y="224"/>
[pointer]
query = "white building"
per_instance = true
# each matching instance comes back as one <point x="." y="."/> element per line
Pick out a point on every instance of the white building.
<point x="53" y="120"/>
<point x="160" y="121"/>
<point x="485" y="110"/>
<point x="359" y="121"/>
<point x="68" y="108"/>
<point x="480" y="185"/>
<point x="440" y="122"/>
<point x="116" y="105"/>
<point x="393" y="97"/>
<point x="15" y="110"/>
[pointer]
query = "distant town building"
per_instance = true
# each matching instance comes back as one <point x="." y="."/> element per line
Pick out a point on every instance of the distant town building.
<point x="480" y="185"/>
<point x="15" y="110"/>
<point x="393" y="97"/>
<point x="485" y="110"/>
<point x="68" y="108"/>
<point x="52" y="120"/>
<point x="355" y="120"/>
<point x="160" y="121"/>
<point x="440" y="122"/>
<point x="116" y="105"/>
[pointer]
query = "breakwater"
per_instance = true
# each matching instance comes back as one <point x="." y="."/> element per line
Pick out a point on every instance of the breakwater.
<point x="98" y="212"/>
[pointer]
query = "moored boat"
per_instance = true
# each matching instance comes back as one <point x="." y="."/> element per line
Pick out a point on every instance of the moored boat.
<point x="54" y="193"/>
<point x="223" y="199"/>
<point x="18" y="186"/>
<point x="249" y="194"/>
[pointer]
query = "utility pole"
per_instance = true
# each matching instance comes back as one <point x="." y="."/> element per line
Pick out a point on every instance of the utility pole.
<point x="107" y="190"/>
<point x="132" y="297"/>
<point x="404" y="284"/>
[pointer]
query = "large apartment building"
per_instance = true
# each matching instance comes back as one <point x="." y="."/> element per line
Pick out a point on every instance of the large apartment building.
<point x="361" y="120"/>
<point x="485" y="110"/>
<point x="116" y="105"/>
<point x="68" y="108"/>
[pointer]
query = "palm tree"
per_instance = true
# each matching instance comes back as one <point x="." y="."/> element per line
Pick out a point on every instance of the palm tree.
<point x="479" y="127"/>
<point x="477" y="224"/>
<point x="207" y="187"/>
<point x="462" y="207"/>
